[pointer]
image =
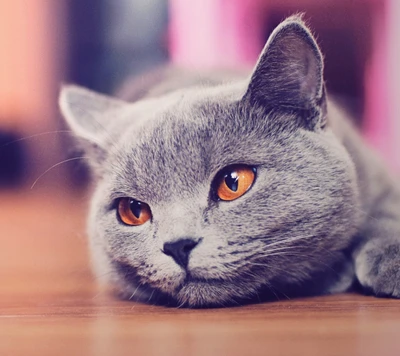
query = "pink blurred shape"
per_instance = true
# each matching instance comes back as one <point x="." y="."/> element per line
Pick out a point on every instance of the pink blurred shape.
<point x="215" y="33"/>
<point x="382" y="83"/>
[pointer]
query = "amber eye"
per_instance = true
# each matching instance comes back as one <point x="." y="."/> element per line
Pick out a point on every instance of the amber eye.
<point x="234" y="181"/>
<point x="133" y="212"/>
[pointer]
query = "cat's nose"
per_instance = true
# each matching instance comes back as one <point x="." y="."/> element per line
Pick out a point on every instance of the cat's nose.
<point x="180" y="250"/>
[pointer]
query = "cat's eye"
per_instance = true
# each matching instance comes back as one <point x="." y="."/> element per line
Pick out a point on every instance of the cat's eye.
<point x="133" y="212"/>
<point x="234" y="181"/>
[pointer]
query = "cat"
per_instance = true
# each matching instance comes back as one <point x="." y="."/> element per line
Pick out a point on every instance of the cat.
<point x="215" y="193"/>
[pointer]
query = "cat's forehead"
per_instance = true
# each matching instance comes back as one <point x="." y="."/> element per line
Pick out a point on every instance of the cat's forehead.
<point x="176" y="150"/>
<point x="183" y="147"/>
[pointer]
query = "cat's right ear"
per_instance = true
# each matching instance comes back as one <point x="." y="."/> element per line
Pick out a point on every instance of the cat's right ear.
<point x="289" y="73"/>
<point x="90" y="116"/>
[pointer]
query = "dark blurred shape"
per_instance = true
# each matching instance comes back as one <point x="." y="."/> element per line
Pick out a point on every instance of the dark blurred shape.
<point x="86" y="27"/>
<point x="110" y="41"/>
<point x="11" y="160"/>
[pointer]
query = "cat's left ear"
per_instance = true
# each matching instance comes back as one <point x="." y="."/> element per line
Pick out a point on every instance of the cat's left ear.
<point x="93" y="118"/>
<point x="289" y="72"/>
<point x="89" y="114"/>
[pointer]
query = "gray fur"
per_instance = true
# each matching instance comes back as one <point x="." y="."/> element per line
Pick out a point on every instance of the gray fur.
<point x="321" y="213"/>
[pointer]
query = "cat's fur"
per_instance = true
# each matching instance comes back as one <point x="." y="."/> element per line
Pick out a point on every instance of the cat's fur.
<point x="321" y="214"/>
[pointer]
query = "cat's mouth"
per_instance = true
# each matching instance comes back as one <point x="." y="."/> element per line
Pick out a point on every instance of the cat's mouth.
<point x="129" y="273"/>
<point x="192" y="279"/>
<point x="191" y="292"/>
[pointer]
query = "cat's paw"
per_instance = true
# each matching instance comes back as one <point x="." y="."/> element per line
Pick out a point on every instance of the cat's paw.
<point x="377" y="268"/>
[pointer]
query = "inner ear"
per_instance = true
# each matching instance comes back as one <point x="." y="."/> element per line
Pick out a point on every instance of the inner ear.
<point x="91" y="117"/>
<point x="290" y="69"/>
<point x="89" y="114"/>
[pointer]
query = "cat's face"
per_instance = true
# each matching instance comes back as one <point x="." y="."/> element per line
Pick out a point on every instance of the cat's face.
<point x="208" y="196"/>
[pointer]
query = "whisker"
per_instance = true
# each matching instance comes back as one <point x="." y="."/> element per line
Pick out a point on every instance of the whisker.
<point x="266" y="265"/>
<point x="98" y="294"/>
<point x="134" y="292"/>
<point x="232" y="300"/>
<point x="272" y="290"/>
<point x="96" y="277"/>
<point x="282" y="248"/>
<point x="54" y="166"/>
<point x="265" y="253"/>
<point x="181" y="305"/>
<point x="366" y="214"/>
<point x="288" y="240"/>
<point x="35" y="135"/>
<point x="151" y="295"/>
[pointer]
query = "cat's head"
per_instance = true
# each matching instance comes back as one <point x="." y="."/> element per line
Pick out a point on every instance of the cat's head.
<point x="210" y="195"/>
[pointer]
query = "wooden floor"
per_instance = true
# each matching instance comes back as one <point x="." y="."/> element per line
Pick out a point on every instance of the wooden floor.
<point x="49" y="304"/>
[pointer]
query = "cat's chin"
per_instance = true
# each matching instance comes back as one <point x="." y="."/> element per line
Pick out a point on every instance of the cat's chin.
<point x="211" y="293"/>
<point x="203" y="294"/>
<point x="192" y="292"/>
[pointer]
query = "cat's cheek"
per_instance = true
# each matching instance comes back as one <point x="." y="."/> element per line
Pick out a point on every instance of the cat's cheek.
<point x="206" y="263"/>
<point x="165" y="274"/>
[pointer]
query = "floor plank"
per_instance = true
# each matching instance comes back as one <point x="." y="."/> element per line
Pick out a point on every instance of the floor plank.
<point x="50" y="305"/>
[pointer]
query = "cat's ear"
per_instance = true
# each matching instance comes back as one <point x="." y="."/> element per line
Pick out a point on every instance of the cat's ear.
<point x="289" y="72"/>
<point x="88" y="113"/>
<point x="91" y="117"/>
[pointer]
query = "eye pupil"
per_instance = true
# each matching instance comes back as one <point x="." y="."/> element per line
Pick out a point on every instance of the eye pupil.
<point x="232" y="181"/>
<point x="136" y="208"/>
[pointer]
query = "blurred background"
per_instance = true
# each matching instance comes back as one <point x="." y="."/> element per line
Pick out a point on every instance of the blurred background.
<point x="98" y="43"/>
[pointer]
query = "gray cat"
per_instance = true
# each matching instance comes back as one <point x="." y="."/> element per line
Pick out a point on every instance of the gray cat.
<point x="219" y="193"/>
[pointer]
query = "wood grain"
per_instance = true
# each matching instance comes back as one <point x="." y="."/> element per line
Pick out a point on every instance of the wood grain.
<point x="49" y="303"/>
